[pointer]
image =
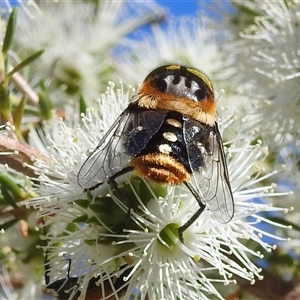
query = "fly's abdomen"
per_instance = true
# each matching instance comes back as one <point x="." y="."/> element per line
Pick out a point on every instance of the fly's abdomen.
<point x="164" y="159"/>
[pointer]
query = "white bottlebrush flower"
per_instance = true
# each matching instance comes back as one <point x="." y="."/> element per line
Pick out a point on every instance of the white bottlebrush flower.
<point x="80" y="41"/>
<point x="143" y="257"/>
<point x="19" y="290"/>
<point x="264" y="63"/>
<point x="187" y="40"/>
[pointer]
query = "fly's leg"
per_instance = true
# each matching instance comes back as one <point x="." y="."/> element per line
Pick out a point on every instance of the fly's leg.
<point x="46" y="258"/>
<point x="69" y="267"/>
<point x="120" y="194"/>
<point x="195" y="216"/>
<point x="114" y="184"/>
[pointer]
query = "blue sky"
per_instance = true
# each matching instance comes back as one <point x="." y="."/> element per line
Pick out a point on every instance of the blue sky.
<point x="174" y="7"/>
<point x="193" y="7"/>
<point x="181" y="7"/>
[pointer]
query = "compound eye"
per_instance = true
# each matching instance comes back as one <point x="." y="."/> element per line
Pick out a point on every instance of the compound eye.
<point x="159" y="84"/>
<point x="200" y="94"/>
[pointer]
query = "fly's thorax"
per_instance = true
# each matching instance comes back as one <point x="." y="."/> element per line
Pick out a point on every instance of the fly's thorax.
<point x="179" y="89"/>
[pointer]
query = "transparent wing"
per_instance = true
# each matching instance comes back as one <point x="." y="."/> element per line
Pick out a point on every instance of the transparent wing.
<point x="125" y="139"/>
<point x="209" y="168"/>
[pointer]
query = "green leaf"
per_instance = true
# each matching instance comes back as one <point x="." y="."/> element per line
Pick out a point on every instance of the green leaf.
<point x="18" y="114"/>
<point x="81" y="219"/>
<point x="90" y="242"/>
<point x="8" y="198"/>
<point x="71" y="227"/>
<point x="10" y="184"/>
<point x="82" y="203"/>
<point x="82" y="105"/>
<point x="32" y="253"/>
<point x="45" y="105"/>
<point x="5" y="104"/>
<point x="10" y="29"/>
<point x="24" y="63"/>
<point x="92" y="220"/>
<point x="144" y="191"/>
<point x="108" y="212"/>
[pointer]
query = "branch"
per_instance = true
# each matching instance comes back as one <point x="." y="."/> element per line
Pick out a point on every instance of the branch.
<point x="21" y="153"/>
<point x="271" y="287"/>
<point x="294" y="294"/>
<point x="23" y="87"/>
